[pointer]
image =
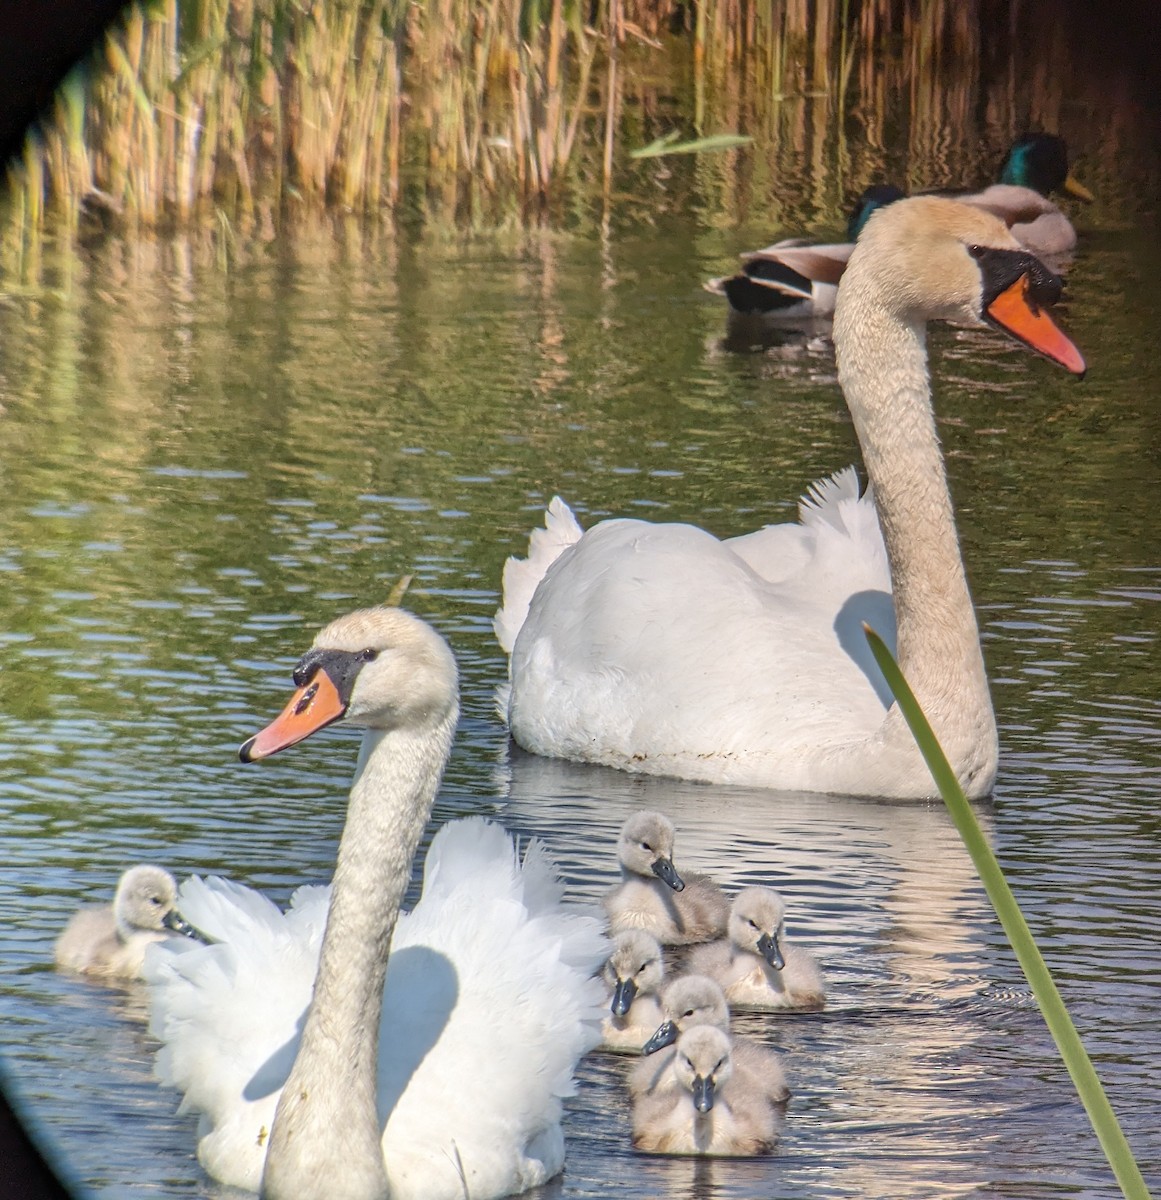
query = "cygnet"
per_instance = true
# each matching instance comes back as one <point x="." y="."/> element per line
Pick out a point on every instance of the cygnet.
<point x="703" y="1105"/>
<point x="676" y="910"/>
<point x="110" y="940"/>
<point x="755" y="965"/>
<point x="633" y="972"/>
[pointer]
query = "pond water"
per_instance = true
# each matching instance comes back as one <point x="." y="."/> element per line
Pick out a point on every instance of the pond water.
<point x="201" y="466"/>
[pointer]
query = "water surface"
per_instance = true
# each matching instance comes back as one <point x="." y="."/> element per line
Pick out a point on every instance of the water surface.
<point x="201" y="466"/>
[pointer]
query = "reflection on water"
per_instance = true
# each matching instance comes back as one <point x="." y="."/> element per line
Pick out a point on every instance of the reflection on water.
<point x="201" y="467"/>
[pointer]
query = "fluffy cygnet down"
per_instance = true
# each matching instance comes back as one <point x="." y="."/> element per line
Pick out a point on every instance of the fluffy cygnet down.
<point x="693" y="1000"/>
<point x="702" y="1105"/>
<point x="756" y="966"/>
<point x="110" y="939"/>
<point x="677" y="910"/>
<point x="633" y="973"/>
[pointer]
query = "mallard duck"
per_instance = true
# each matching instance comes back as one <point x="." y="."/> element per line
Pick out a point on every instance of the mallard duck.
<point x="795" y="279"/>
<point x="1035" y="166"/>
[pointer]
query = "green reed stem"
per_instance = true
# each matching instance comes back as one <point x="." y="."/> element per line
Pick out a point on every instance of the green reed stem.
<point x="1076" y="1059"/>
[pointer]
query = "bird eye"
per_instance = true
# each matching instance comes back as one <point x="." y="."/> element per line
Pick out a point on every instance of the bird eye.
<point x="688" y="1012"/>
<point x="976" y="251"/>
<point x="154" y="899"/>
<point x="646" y="846"/>
<point x="752" y="924"/>
<point x="368" y="655"/>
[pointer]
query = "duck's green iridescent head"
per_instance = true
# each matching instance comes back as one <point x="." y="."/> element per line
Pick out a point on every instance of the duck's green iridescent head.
<point x="1040" y="161"/>
<point x="877" y="196"/>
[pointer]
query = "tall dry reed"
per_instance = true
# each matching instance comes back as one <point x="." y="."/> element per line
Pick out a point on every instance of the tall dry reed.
<point x="249" y="111"/>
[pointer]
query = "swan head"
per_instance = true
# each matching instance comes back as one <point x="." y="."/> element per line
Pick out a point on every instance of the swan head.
<point x="146" y="898"/>
<point x="703" y="1063"/>
<point x="645" y="847"/>
<point x="687" y="1002"/>
<point x="381" y="668"/>
<point x="928" y="258"/>
<point x="635" y="968"/>
<point x="756" y="924"/>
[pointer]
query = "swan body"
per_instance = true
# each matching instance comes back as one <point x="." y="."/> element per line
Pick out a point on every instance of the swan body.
<point x="111" y="939"/>
<point x="692" y="1000"/>
<point x="702" y="1106"/>
<point x="755" y="964"/>
<point x="794" y="279"/>
<point x="661" y="648"/>
<point x="676" y="910"/>
<point x="324" y="1064"/>
<point x="633" y="974"/>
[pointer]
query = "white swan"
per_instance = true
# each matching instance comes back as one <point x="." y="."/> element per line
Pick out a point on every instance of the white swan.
<point x="633" y="974"/>
<point x="701" y="1105"/>
<point x="677" y="910"/>
<point x="110" y="940"/>
<point x="755" y="965"/>
<point x="489" y="999"/>
<point x="692" y="1000"/>
<point x="659" y="648"/>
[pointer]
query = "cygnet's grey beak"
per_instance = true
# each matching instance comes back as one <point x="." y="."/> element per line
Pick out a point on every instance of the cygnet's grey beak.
<point x="623" y="996"/>
<point x="771" y="951"/>
<point x="666" y="1035"/>
<point x="664" y="870"/>
<point x="703" y="1093"/>
<point x="175" y="921"/>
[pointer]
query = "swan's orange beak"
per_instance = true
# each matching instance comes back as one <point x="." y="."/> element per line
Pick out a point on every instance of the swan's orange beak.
<point x="1014" y="312"/>
<point x="313" y="706"/>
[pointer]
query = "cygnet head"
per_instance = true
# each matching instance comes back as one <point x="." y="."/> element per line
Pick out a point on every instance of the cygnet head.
<point x="702" y="1063"/>
<point x="645" y="847"/>
<point x="757" y="923"/>
<point x="689" y="1001"/>
<point x="146" y="899"/>
<point x="377" y="667"/>
<point x="929" y="257"/>
<point x="635" y="968"/>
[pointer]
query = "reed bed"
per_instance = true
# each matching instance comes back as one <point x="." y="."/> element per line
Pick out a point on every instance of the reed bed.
<point x="243" y="114"/>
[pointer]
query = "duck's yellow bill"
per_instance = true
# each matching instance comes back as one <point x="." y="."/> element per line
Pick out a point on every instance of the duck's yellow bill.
<point x="1073" y="188"/>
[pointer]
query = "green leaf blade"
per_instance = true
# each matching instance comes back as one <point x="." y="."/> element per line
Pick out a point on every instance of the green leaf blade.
<point x="1051" y="1003"/>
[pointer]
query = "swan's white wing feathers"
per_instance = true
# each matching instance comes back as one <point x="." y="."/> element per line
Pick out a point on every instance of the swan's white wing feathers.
<point x="228" y="1015"/>
<point x="523" y="575"/>
<point x="525" y="1008"/>
<point x="787" y="602"/>
<point x="489" y="1004"/>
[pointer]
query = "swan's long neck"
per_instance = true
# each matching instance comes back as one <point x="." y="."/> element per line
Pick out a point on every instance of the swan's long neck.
<point x="882" y="364"/>
<point x="326" y="1141"/>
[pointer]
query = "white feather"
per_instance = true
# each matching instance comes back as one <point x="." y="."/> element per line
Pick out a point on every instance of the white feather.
<point x="489" y="1003"/>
